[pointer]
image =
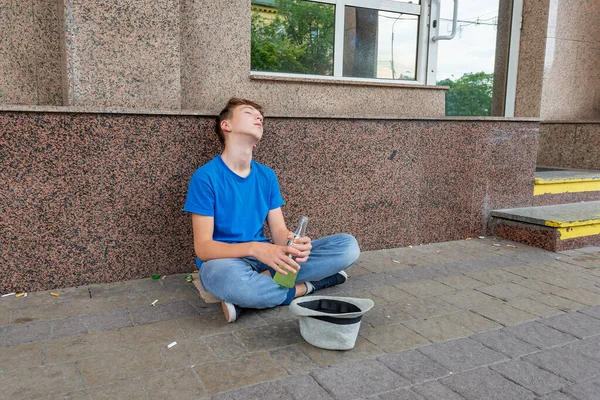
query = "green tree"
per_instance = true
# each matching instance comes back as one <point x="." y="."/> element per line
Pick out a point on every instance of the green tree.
<point x="298" y="40"/>
<point x="469" y="95"/>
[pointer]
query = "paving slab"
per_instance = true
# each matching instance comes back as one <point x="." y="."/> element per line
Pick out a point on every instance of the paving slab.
<point x="493" y="276"/>
<point x="585" y="391"/>
<point x="400" y="394"/>
<point x="460" y="282"/>
<point x="92" y="306"/>
<point x="508" y="290"/>
<point x="107" y="320"/>
<point x="437" y="329"/>
<point x="67" y="327"/>
<point x="557" y="396"/>
<point x="580" y="295"/>
<point x="357" y="379"/>
<point x="25" y="333"/>
<point x="483" y="383"/>
<point x="82" y="346"/>
<point x="592" y="311"/>
<point x="468" y="299"/>
<point x="589" y="347"/>
<point x="389" y="313"/>
<point x="534" y="307"/>
<point x="472" y="322"/>
<point x="270" y="336"/>
<point x="113" y="367"/>
<point x="529" y="376"/>
<point x="504" y="314"/>
<point x="266" y="390"/>
<point x="363" y="349"/>
<point x="565" y="363"/>
<point x="226" y="345"/>
<point x="214" y="322"/>
<point x="242" y="371"/>
<point x="425" y="288"/>
<point x="31" y="383"/>
<point x="577" y="324"/>
<point x="25" y="355"/>
<point x="414" y="366"/>
<point x="162" y="312"/>
<point x="4" y="316"/>
<point x="130" y="390"/>
<point x="504" y="343"/>
<point x="294" y="360"/>
<point x="539" y="335"/>
<point x="434" y="390"/>
<point x="393" y="337"/>
<point x="303" y="387"/>
<point x="187" y="353"/>
<point x="561" y="303"/>
<point x="161" y="333"/>
<point x="178" y="384"/>
<point x="461" y="354"/>
<point x="539" y="286"/>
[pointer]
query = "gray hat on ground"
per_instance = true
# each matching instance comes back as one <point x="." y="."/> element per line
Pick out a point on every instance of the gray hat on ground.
<point x="330" y="322"/>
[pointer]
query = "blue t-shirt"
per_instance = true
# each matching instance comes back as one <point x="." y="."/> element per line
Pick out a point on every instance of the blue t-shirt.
<point x="239" y="205"/>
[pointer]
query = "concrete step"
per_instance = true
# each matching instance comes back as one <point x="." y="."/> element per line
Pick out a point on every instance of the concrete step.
<point x="563" y="186"/>
<point x="555" y="228"/>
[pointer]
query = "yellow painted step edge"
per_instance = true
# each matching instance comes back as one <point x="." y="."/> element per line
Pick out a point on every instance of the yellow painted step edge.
<point x="579" y="231"/>
<point x="570" y="224"/>
<point x="566" y="187"/>
<point x="543" y="181"/>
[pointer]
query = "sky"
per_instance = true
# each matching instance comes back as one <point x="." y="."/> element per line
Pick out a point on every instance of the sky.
<point x="472" y="50"/>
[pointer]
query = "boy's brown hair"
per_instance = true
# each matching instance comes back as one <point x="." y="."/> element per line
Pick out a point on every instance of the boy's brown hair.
<point x="227" y="113"/>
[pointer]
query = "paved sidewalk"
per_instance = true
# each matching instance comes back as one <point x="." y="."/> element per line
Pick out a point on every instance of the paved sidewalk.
<point x="476" y="319"/>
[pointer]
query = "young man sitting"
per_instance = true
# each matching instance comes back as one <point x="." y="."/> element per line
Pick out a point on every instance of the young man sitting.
<point x="230" y="197"/>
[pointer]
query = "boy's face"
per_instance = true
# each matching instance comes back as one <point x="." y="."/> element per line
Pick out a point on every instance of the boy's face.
<point x="246" y="120"/>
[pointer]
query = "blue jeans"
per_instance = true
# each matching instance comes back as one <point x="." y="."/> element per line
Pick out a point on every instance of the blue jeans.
<point x="239" y="280"/>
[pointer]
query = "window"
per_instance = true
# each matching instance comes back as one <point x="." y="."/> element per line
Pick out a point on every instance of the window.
<point x="367" y="39"/>
<point x="394" y="40"/>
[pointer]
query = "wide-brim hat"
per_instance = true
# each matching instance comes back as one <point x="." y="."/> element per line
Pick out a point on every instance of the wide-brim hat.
<point x="330" y="322"/>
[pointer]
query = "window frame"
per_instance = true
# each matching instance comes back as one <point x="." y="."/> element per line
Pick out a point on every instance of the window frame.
<point x="423" y="38"/>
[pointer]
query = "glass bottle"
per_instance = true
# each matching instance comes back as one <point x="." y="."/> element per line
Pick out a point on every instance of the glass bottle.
<point x="289" y="280"/>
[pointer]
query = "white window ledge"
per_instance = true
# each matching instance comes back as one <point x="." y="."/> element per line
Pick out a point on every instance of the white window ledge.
<point x="334" y="80"/>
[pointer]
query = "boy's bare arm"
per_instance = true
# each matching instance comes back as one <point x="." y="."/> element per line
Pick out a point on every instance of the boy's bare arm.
<point x="275" y="256"/>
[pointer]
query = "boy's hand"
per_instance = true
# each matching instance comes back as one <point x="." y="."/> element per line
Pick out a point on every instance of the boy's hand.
<point x="303" y="244"/>
<point x="277" y="257"/>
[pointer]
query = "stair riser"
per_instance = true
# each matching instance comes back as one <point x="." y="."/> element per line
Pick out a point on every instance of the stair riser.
<point x="540" y="236"/>
<point x="564" y="198"/>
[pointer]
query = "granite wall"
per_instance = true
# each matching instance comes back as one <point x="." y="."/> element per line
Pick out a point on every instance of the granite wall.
<point x="559" y="60"/>
<point x="532" y="50"/>
<point x="572" y="63"/>
<point x="30" y="55"/>
<point x="169" y="55"/>
<point x="123" y="53"/>
<point x="98" y="197"/>
<point x="570" y="144"/>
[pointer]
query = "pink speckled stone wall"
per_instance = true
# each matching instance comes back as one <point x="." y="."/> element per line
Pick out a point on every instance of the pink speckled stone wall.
<point x="570" y="145"/>
<point x="29" y="53"/>
<point x="98" y="197"/>
<point x="123" y="54"/>
<point x="572" y="63"/>
<point x="532" y="50"/>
